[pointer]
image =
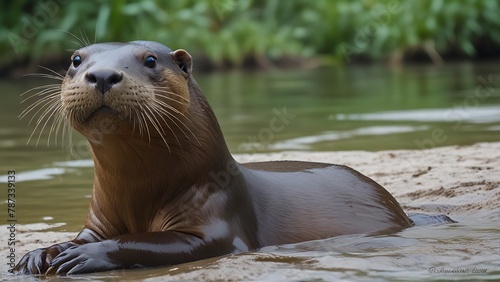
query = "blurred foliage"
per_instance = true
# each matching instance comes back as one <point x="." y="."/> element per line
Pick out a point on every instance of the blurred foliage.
<point x="227" y="32"/>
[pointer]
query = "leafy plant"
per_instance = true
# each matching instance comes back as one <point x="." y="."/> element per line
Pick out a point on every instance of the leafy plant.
<point x="228" y="33"/>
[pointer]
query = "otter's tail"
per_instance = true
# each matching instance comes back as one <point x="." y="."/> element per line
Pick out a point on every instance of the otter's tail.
<point x="420" y="219"/>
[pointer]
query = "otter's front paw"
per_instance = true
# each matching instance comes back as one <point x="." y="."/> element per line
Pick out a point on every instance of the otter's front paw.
<point x="37" y="261"/>
<point x="91" y="257"/>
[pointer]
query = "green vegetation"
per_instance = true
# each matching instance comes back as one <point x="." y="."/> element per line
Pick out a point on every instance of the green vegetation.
<point x="232" y="33"/>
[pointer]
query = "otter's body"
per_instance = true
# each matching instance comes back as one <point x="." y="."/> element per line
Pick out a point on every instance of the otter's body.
<point x="319" y="202"/>
<point x="166" y="188"/>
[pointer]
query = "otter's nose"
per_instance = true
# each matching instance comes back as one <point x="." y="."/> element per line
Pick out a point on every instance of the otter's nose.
<point x="103" y="79"/>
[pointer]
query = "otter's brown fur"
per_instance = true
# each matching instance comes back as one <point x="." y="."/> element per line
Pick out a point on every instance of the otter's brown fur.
<point x="166" y="188"/>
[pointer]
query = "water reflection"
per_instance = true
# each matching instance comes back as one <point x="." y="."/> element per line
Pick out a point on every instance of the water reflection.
<point x="309" y="142"/>
<point x="489" y="114"/>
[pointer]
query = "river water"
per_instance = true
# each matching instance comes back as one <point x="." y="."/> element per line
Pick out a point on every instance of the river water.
<point x="332" y="109"/>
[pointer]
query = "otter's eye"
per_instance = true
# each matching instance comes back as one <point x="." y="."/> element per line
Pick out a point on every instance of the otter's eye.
<point x="77" y="60"/>
<point x="150" y="62"/>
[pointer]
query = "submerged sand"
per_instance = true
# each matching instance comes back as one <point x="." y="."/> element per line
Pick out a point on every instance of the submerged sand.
<point x="460" y="181"/>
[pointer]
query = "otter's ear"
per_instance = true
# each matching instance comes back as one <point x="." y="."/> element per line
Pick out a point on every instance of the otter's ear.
<point x="183" y="60"/>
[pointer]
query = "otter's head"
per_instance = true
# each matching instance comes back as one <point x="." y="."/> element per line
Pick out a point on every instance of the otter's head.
<point x="136" y="89"/>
